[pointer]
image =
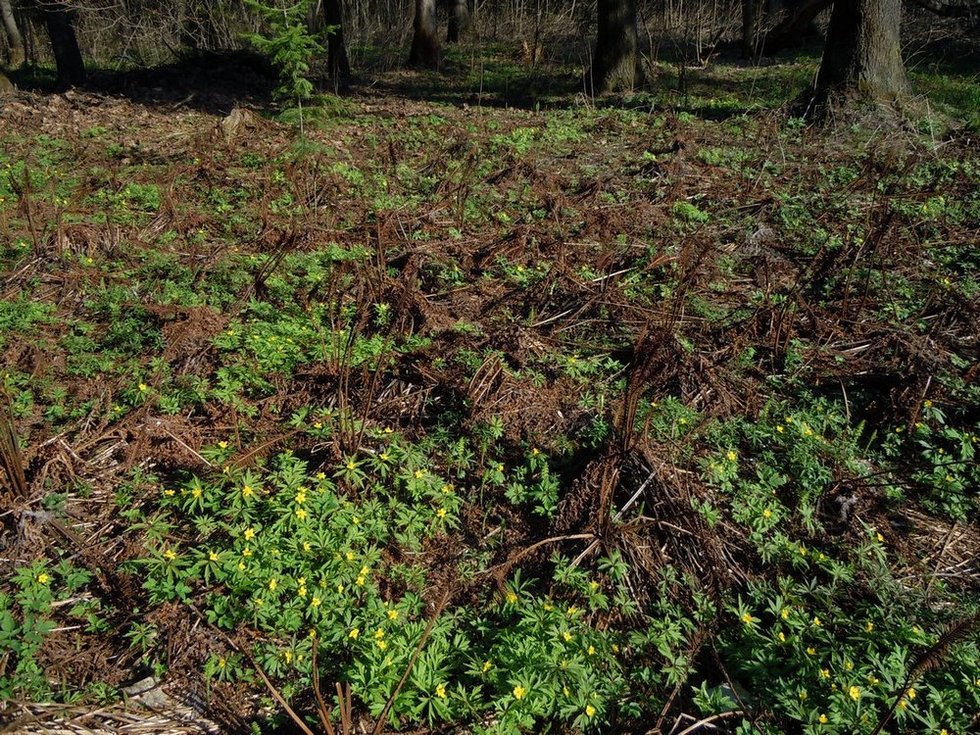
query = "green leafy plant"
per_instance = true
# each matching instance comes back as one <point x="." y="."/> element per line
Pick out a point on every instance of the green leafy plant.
<point x="289" y="45"/>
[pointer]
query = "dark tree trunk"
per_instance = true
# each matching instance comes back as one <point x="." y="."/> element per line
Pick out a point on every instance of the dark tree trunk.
<point x="862" y="56"/>
<point x="333" y="17"/>
<point x="67" y="57"/>
<point x="425" y="45"/>
<point x="753" y="11"/>
<point x="459" y="19"/>
<point x="15" y="40"/>
<point x="797" y="24"/>
<point x="615" y="65"/>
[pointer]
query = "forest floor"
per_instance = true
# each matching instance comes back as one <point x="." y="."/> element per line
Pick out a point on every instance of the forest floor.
<point x="512" y="412"/>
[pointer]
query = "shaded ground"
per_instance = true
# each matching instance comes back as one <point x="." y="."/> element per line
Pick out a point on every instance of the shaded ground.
<point x="623" y="290"/>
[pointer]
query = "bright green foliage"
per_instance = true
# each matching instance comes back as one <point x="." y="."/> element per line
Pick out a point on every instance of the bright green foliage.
<point x="289" y="45"/>
<point x="292" y="555"/>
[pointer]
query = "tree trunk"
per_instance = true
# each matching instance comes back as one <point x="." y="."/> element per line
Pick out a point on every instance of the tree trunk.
<point x="753" y="12"/>
<point x="797" y="24"/>
<point x="67" y="57"/>
<point x="425" y="45"/>
<point x="862" y="56"/>
<point x="459" y="20"/>
<point x="16" y="41"/>
<point x="333" y="16"/>
<point x="615" y="64"/>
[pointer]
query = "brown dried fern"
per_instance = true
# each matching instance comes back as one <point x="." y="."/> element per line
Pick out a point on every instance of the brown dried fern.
<point x="932" y="659"/>
<point x="10" y="456"/>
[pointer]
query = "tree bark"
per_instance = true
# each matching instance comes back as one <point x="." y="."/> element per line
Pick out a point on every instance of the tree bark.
<point x="67" y="56"/>
<point x="862" y="56"/>
<point x="753" y="11"/>
<point x="459" y="20"/>
<point x="791" y="29"/>
<point x="425" y="45"/>
<point x="615" y="66"/>
<point x="17" y="55"/>
<point x="337" y="61"/>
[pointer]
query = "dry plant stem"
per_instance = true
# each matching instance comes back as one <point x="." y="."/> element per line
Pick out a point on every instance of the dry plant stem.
<point x="380" y="723"/>
<point x="708" y="720"/>
<point x="322" y="709"/>
<point x="10" y="456"/>
<point x="533" y="547"/>
<point x="255" y="665"/>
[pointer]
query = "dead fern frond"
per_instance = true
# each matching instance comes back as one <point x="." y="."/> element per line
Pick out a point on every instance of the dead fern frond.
<point x="932" y="659"/>
<point x="10" y="454"/>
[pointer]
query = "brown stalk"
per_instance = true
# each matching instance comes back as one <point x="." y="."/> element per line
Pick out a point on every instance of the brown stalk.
<point x="323" y="710"/>
<point x="10" y="454"/>
<point x="380" y="723"/>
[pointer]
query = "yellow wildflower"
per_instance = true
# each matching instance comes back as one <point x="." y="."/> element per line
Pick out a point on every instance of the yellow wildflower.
<point x="441" y="691"/>
<point x="273" y="584"/>
<point x="566" y="635"/>
<point x="359" y="581"/>
<point x="169" y="554"/>
<point x="589" y="710"/>
<point x="354" y="633"/>
<point x="222" y="445"/>
<point x="382" y="645"/>
<point x="816" y="622"/>
<point x="591" y="651"/>
<point x="249" y="534"/>
<point x="247" y="491"/>
<point x="392" y="615"/>
<point x="854" y="693"/>
<point x="822" y="719"/>
<point x="486" y="666"/>
<point x="747" y="619"/>
<point x="315" y="602"/>
<point x="767" y="513"/>
<point x="911" y="694"/>
<point x="44" y="577"/>
<point x="824" y="673"/>
<point x="441" y="513"/>
<point x="301" y="513"/>
<point x="511" y="596"/>
<point x="519" y="692"/>
<point x="784" y="613"/>
<point x="732" y="456"/>
<point x="213" y="556"/>
<point x="246" y="552"/>
<point x="811" y="651"/>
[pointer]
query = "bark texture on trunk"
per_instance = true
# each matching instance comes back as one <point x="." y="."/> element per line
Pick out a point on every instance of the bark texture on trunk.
<point x="333" y="17"/>
<point x="794" y="27"/>
<point x="862" y="56"/>
<point x="459" y="20"/>
<point x="67" y="56"/>
<point x="15" y="40"/>
<point x="753" y="12"/>
<point x="425" y="45"/>
<point x="615" y="65"/>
